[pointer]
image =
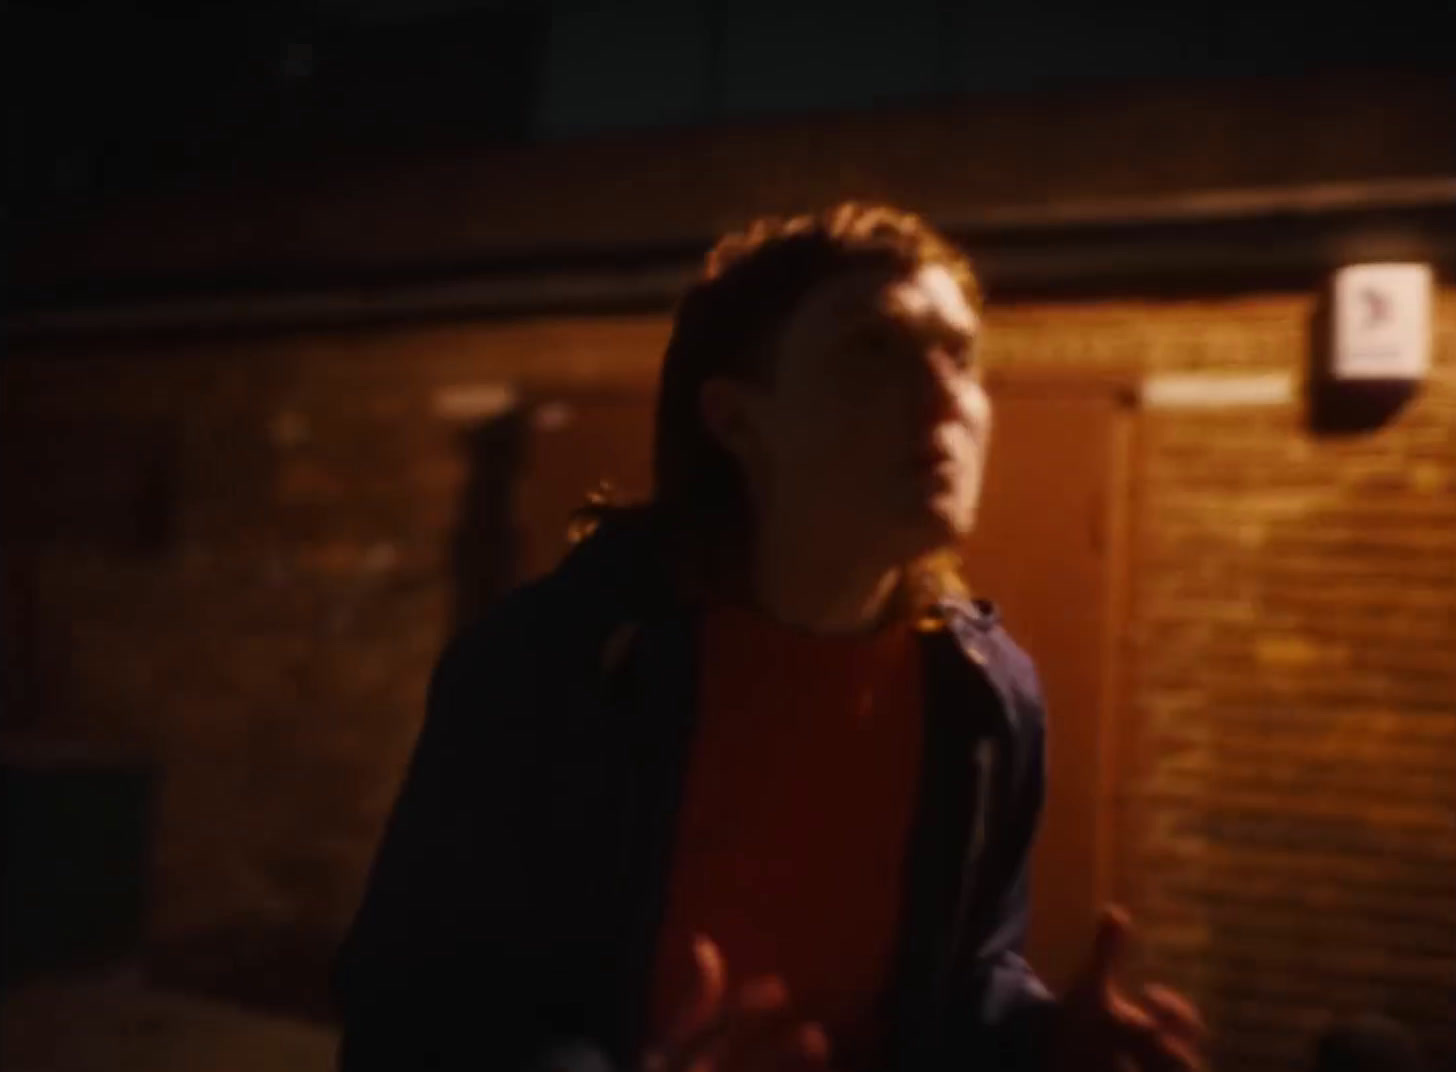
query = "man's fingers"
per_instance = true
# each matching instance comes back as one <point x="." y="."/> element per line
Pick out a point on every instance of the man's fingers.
<point x="712" y="980"/>
<point x="1108" y="947"/>
<point x="705" y="1002"/>
<point x="758" y="1006"/>
<point x="809" y="1052"/>
<point x="1151" y="1047"/>
<point x="767" y="994"/>
<point x="1175" y="1014"/>
<point x="812" y="1043"/>
<point x="777" y="1044"/>
<point x="1156" y="1051"/>
<point x="700" y="1008"/>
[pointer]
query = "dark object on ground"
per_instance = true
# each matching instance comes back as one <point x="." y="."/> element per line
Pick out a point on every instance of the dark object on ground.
<point x="76" y="844"/>
<point x="1368" y="1043"/>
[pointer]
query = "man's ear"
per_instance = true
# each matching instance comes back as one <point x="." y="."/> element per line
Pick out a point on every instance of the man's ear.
<point x="728" y="410"/>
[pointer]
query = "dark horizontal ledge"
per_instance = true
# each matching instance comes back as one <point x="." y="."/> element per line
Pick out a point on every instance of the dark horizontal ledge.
<point x="1199" y="243"/>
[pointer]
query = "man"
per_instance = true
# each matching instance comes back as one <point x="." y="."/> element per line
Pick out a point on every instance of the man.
<point x="749" y="782"/>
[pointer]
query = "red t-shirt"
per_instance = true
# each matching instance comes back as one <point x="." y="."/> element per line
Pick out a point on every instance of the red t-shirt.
<point x="796" y="809"/>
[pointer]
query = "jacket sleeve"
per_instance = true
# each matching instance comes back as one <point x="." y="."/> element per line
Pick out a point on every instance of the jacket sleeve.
<point x="1013" y="1009"/>
<point x="437" y="972"/>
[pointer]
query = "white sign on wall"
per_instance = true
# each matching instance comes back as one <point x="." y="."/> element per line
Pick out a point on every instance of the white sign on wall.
<point x="1382" y="322"/>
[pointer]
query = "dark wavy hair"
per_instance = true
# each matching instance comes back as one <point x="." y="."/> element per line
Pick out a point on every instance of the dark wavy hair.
<point x="728" y="324"/>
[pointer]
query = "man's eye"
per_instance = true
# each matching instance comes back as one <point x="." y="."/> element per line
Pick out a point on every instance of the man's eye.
<point x="880" y="349"/>
<point x="883" y="340"/>
<point x="962" y="352"/>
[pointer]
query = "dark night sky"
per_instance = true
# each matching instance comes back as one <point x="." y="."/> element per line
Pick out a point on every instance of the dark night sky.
<point x="109" y="98"/>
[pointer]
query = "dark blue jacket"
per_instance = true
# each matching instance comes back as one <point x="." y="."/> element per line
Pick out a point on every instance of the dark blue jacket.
<point x="511" y="916"/>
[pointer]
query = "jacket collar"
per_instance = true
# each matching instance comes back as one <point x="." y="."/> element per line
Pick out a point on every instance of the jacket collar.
<point x="974" y="628"/>
<point x="622" y="570"/>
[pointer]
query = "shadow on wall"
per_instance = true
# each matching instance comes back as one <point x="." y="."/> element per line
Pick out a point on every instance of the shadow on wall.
<point x="1346" y="407"/>
<point x="485" y="548"/>
<point x="287" y="971"/>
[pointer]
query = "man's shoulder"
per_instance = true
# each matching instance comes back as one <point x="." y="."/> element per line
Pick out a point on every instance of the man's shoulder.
<point x="566" y="611"/>
<point x="501" y="642"/>
<point x="978" y="627"/>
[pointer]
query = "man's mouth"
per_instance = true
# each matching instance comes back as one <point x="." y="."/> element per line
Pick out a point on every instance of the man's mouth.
<point x="931" y="459"/>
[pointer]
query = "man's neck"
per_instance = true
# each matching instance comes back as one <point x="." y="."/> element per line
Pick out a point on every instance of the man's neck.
<point x="814" y="585"/>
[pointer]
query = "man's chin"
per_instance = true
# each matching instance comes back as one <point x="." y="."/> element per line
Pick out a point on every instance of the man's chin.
<point x="937" y="526"/>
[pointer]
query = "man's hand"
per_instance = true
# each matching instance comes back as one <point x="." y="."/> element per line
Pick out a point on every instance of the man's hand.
<point x="1103" y="1030"/>
<point x="754" y="1031"/>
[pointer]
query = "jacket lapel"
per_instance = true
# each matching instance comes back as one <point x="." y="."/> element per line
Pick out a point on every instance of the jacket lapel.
<point x="966" y="728"/>
<point x="654" y="702"/>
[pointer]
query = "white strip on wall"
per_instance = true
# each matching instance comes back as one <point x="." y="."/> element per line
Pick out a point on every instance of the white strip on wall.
<point x="1217" y="390"/>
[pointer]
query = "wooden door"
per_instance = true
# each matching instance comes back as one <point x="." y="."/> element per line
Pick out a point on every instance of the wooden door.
<point x="1048" y="549"/>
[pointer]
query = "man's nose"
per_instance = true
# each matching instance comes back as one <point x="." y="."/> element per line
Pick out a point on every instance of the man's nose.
<point x="938" y="394"/>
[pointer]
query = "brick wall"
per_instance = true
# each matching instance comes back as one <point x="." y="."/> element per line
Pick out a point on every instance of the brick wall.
<point x="1297" y="677"/>
<point x="236" y="560"/>
<point x="1292" y="665"/>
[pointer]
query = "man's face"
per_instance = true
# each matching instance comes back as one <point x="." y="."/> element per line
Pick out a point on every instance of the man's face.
<point x="875" y="426"/>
